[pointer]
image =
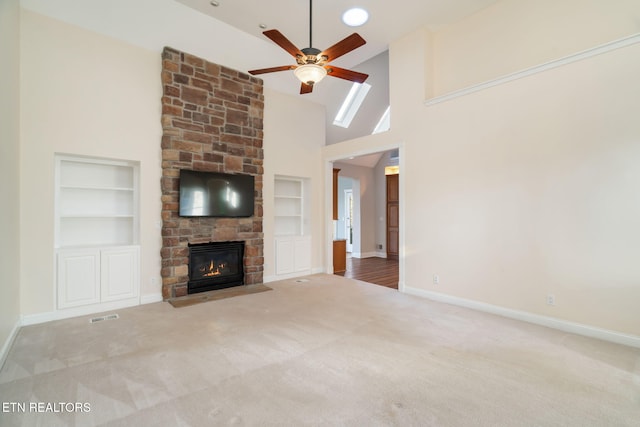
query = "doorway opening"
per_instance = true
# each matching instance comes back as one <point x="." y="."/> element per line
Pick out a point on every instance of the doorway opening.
<point x="362" y="215"/>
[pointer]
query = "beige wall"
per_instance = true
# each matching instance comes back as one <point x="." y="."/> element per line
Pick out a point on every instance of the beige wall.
<point x="513" y="35"/>
<point x="9" y="171"/>
<point x="293" y="139"/>
<point x="83" y="94"/>
<point x="530" y="187"/>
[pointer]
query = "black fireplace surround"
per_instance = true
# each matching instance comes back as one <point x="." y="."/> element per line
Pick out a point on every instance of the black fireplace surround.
<point x="215" y="265"/>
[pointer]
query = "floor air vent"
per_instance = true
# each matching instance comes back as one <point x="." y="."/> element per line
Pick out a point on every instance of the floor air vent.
<point x="302" y="280"/>
<point x="107" y="317"/>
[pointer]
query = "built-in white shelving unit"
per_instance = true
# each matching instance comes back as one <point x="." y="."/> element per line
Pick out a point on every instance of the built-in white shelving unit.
<point x="96" y="203"/>
<point x="96" y="231"/>
<point x="291" y="219"/>
<point x="289" y="206"/>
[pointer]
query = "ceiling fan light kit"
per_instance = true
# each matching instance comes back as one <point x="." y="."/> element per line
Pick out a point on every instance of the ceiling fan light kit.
<point x="311" y="62"/>
<point x="310" y="73"/>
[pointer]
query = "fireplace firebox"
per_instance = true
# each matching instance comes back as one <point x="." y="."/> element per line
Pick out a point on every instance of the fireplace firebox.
<point x="215" y="265"/>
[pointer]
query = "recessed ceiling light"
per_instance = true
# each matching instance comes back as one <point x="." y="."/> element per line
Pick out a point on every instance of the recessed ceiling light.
<point x="263" y="26"/>
<point x="214" y="3"/>
<point x="355" y="17"/>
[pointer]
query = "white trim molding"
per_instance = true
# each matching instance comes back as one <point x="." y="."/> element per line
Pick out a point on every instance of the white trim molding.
<point x="8" y="343"/>
<point x="364" y="254"/>
<point x="550" y="322"/>
<point x="150" y="298"/>
<point x="579" y="56"/>
<point x="275" y="278"/>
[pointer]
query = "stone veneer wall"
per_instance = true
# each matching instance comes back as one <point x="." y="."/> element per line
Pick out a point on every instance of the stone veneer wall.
<point x="211" y="121"/>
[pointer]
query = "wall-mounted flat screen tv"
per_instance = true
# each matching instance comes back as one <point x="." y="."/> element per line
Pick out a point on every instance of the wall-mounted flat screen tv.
<point x="215" y="194"/>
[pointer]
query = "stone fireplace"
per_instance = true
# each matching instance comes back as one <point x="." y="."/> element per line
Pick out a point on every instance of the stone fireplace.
<point x="211" y="121"/>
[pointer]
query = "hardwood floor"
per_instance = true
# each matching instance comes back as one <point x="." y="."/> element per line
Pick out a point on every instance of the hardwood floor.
<point x="379" y="271"/>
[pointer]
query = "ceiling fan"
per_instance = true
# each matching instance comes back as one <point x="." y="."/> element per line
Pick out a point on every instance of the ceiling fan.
<point x="312" y="64"/>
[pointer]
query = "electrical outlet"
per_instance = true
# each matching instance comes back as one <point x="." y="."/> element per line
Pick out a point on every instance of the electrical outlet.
<point x="551" y="299"/>
<point x="436" y="279"/>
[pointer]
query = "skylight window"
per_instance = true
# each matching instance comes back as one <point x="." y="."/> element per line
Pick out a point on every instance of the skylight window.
<point x="351" y="104"/>
<point x="355" y="17"/>
<point x="384" y="124"/>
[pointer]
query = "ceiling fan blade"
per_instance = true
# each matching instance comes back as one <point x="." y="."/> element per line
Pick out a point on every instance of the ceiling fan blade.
<point x="272" y="69"/>
<point x="305" y="88"/>
<point x="342" y="73"/>
<point x="346" y="45"/>
<point x="278" y="38"/>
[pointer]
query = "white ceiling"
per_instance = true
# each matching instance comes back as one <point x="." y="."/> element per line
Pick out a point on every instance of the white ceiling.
<point x="367" y="160"/>
<point x="388" y="20"/>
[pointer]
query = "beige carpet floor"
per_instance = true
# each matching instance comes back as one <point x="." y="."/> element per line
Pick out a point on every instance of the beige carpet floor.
<point x="329" y="351"/>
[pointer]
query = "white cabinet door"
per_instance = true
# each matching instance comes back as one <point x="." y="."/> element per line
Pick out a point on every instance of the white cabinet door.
<point x="302" y="253"/>
<point x="293" y="254"/>
<point x="78" y="278"/>
<point x="285" y="252"/>
<point x="119" y="273"/>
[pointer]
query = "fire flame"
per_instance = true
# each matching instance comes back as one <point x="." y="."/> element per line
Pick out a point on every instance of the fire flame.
<point x="212" y="269"/>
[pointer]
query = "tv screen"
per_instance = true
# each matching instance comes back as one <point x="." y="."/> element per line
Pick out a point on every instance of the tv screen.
<point x="216" y="194"/>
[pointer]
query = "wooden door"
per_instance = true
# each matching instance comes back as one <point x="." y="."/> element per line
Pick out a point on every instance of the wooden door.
<point x="335" y="193"/>
<point x="393" y="216"/>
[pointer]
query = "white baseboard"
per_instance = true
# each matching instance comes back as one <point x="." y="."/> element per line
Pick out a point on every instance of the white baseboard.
<point x="151" y="298"/>
<point x="364" y="254"/>
<point x="34" y="319"/>
<point x="550" y="322"/>
<point x="268" y="279"/>
<point x="275" y="278"/>
<point x="8" y="343"/>
<point x="381" y="254"/>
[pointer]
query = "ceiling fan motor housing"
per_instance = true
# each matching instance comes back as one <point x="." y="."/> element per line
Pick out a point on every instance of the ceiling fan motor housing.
<point x="311" y="56"/>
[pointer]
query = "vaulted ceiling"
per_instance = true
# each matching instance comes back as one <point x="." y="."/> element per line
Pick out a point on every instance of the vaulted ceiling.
<point x="387" y="21"/>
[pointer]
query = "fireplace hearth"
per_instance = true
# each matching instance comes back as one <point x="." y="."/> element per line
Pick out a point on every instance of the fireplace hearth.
<point x="215" y="265"/>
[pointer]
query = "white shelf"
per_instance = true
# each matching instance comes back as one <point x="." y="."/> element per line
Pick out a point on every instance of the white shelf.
<point x="86" y="187"/>
<point x="289" y="206"/>
<point x="95" y="216"/>
<point x="96" y="202"/>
